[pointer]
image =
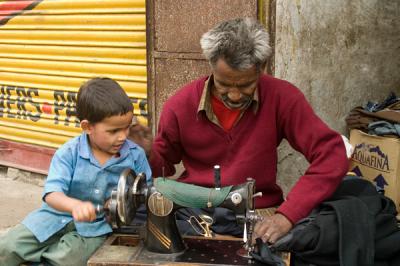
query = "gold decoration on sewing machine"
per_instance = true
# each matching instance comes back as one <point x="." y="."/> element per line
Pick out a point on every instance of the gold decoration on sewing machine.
<point x="163" y="239"/>
<point x="160" y="205"/>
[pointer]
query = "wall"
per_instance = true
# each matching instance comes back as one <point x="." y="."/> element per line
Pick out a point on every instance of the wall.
<point x="174" y="53"/>
<point x="340" y="54"/>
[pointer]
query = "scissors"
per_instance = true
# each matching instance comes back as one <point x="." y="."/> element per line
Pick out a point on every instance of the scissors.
<point x="202" y="224"/>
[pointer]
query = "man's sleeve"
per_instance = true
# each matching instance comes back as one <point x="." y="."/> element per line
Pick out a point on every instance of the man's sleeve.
<point x="166" y="150"/>
<point x="324" y="150"/>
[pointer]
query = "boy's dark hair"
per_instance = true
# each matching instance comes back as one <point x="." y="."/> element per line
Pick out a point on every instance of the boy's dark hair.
<point x="100" y="98"/>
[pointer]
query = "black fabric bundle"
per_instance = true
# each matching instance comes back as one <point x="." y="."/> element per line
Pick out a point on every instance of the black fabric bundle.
<point x="356" y="226"/>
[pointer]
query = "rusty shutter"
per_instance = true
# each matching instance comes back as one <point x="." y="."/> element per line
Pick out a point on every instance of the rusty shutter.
<point x="49" y="48"/>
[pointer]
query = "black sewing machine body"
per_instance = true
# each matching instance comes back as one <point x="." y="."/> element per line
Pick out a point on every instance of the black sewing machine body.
<point x="160" y="233"/>
<point x="158" y="241"/>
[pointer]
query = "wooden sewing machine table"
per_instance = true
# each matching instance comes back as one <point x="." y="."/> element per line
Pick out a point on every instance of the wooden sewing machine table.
<point x="121" y="249"/>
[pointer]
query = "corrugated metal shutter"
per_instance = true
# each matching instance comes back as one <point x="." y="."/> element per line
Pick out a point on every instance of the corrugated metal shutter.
<point x="49" y="48"/>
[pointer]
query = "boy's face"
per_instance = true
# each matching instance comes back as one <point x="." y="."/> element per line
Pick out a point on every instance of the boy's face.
<point x="106" y="137"/>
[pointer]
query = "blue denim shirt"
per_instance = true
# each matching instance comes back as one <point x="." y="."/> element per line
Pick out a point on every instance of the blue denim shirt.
<point x="75" y="172"/>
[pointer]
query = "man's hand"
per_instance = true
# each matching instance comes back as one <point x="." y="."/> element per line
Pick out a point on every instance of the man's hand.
<point x="83" y="211"/>
<point x="272" y="228"/>
<point x="141" y="135"/>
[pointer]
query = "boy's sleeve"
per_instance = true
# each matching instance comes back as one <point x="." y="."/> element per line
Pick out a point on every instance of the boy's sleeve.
<point x="60" y="173"/>
<point x="142" y="165"/>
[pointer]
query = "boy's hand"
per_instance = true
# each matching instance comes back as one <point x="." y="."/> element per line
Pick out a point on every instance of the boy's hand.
<point x="141" y="135"/>
<point x="84" y="211"/>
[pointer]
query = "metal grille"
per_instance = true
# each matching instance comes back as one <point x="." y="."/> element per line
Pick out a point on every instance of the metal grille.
<point x="48" y="48"/>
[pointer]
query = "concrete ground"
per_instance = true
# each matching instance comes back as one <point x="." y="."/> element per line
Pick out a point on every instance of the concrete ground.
<point x="20" y="193"/>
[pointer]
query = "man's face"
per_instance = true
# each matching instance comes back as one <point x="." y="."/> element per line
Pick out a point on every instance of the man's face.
<point x="234" y="87"/>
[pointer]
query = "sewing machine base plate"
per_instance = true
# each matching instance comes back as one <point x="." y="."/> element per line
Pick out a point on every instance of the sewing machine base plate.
<point x="128" y="250"/>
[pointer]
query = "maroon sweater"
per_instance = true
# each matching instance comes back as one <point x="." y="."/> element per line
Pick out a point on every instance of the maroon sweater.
<point x="249" y="149"/>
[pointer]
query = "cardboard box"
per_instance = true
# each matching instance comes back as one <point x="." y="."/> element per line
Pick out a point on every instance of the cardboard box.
<point x="378" y="160"/>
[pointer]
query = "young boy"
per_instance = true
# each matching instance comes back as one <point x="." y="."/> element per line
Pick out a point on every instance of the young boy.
<point x="66" y="230"/>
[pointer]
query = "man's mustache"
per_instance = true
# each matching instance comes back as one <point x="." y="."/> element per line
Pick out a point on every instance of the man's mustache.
<point x="242" y="103"/>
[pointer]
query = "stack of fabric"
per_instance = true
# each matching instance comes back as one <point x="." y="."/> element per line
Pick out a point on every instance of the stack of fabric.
<point x="382" y="119"/>
<point x="355" y="226"/>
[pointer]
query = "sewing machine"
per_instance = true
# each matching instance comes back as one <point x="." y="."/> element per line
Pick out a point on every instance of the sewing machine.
<point x="159" y="240"/>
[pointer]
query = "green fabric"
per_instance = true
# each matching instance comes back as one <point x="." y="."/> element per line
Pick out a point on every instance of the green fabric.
<point x="65" y="248"/>
<point x="187" y="195"/>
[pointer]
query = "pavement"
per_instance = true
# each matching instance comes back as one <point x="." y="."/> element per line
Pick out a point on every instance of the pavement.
<point x="20" y="193"/>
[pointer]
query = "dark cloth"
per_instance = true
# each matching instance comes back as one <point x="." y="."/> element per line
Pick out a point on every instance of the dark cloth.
<point x="249" y="149"/>
<point x="224" y="221"/>
<point x="356" y="226"/>
<point x="390" y="100"/>
<point x="264" y="255"/>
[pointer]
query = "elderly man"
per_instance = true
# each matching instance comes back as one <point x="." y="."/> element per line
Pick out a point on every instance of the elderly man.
<point x="236" y="118"/>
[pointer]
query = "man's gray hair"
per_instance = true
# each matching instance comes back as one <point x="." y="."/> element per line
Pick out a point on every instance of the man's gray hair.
<point x="241" y="43"/>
